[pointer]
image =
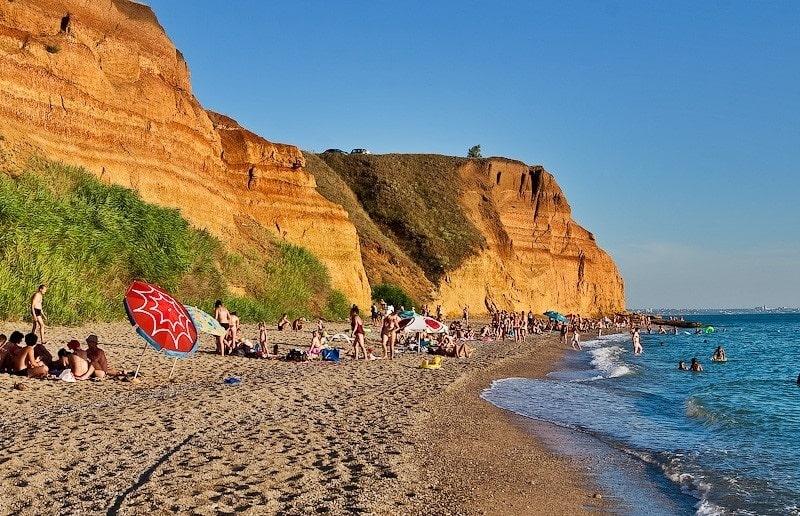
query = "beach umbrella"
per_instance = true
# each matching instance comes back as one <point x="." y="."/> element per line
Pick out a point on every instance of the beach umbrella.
<point x="421" y="324"/>
<point x="163" y="323"/>
<point x="556" y="316"/>
<point x="204" y="322"/>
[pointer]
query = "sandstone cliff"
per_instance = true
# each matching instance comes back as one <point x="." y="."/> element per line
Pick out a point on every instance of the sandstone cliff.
<point x="478" y="232"/>
<point x="98" y="83"/>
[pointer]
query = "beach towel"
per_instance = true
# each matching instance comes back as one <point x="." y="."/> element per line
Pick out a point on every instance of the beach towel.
<point x="66" y="376"/>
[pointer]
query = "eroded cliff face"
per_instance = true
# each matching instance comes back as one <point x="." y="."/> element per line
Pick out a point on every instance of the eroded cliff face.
<point x="502" y="231"/>
<point x="98" y="83"/>
<point x="537" y="257"/>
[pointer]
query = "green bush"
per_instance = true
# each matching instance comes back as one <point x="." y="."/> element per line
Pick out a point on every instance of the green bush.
<point x="87" y="241"/>
<point x="393" y="295"/>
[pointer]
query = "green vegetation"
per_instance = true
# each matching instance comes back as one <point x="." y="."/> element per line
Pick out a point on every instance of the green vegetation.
<point x="87" y="240"/>
<point x="474" y="152"/>
<point x="415" y="200"/>
<point x="393" y="295"/>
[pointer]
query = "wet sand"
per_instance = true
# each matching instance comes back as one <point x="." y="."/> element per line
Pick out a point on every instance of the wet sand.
<point x="374" y="437"/>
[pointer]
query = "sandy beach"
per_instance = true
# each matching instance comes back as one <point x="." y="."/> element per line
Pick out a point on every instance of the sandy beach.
<point x="294" y="438"/>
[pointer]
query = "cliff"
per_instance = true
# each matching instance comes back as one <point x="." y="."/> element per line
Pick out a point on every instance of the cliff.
<point x="478" y="232"/>
<point x="99" y="84"/>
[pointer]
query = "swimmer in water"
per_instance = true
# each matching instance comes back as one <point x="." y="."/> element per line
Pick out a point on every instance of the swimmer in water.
<point x="682" y="366"/>
<point x="696" y="367"/>
<point x="719" y="355"/>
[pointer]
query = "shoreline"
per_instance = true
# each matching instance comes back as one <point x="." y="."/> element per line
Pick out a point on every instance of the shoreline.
<point x="492" y="462"/>
<point x="367" y="437"/>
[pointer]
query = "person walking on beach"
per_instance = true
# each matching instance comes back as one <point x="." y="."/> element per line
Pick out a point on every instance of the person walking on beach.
<point x="223" y="317"/>
<point x="576" y="339"/>
<point x="564" y="330"/>
<point x="358" y="333"/>
<point x="637" y="342"/>
<point x="37" y="311"/>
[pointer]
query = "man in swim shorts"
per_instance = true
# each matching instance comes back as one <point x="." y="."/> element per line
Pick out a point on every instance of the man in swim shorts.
<point x="37" y="311"/>
<point x="26" y="363"/>
<point x="223" y="317"/>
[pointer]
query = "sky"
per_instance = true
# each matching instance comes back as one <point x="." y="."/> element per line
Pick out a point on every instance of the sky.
<point x="671" y="126"/>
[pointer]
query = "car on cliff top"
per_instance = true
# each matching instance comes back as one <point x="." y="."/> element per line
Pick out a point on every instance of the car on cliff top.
<point x="360" y="151"/>
<point x="333" y="151"/>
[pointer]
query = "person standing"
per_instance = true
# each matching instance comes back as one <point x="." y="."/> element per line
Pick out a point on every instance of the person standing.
<point x="223" y="317"/>
<point x="637" y="342"/>
<point x="357" y="328"/>
<point x="37" y="311"/>
<point x="465" y="314"/>
<point x="576" y="339"/>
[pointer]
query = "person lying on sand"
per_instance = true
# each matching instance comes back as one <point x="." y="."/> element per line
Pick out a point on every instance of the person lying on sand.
<point x="97" y="357"/>
<point x="696" y="367"/>
<point x="26" y="363"/>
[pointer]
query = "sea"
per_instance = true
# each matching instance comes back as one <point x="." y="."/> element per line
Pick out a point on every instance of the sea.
<point x="722" y="441"/>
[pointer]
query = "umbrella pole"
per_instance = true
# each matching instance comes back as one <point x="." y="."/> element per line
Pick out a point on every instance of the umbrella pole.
<point x="174" y="363"/>
<point x="140" y="361"/>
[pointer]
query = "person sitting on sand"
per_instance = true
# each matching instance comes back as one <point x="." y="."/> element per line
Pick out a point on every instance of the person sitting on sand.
<point x="5" y="347"/>
<point x="37" y="311"/>
<point x="81" y="368"/>
<point x="223" y="317"/>
<point x="682" y="366"/>
<point x="696" y="367"/>
<point x="315" y="350"/>
<point x="97" y="357"/>
<point x="13" y="348"/>
<point x="462" y="350"/>
<point x="26" y="363"/>
<point x="283" y="322"/>
<point x="74" y="346"/>
<point x="297" y="324"/>
<point x="719" y="355"/>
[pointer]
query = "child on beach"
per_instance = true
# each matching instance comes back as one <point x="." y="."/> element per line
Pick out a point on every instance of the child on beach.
<point x="576" y="340"/>
<point x="263" y="338"/>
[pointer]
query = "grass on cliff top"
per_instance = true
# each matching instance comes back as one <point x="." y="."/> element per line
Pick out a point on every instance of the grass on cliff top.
<point x="87" y="241"/>
<point x="383" y="259"/>
<point x="414" y="198"/>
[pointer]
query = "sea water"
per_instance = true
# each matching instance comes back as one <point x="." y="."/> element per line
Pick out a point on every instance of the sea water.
<point x="729" y="437"/>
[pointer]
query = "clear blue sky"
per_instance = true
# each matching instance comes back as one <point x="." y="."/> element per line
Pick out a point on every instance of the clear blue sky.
<point x="672" y="126"/>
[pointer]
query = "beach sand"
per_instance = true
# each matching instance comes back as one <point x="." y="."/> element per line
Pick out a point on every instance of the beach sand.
<point x="374" y="437"/>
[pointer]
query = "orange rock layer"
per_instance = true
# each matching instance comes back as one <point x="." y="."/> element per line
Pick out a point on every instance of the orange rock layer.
<point x="98" y="83"/>
<point x="537" y="257"/>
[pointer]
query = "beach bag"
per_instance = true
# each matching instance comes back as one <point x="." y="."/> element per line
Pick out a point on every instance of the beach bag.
<point x="330" y="354"/>
<point x="295" y="355"/>
<point x="66" y="376"/>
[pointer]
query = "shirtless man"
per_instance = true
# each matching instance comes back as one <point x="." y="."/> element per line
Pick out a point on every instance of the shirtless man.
<point x="37" y="312"/>
<point x="283" y="322"/>
<point x="12" y="348"/>
<point x="81" y="368"/>
<point x="576" y="339"/>
<point x="465" y="314"/>
<point x="97" y="357"/>
<point x="26" y="363"/>
<point x="223" y="317"/>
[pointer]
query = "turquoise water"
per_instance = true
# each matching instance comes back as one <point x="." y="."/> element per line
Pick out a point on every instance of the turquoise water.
<point x="729" y="436"/>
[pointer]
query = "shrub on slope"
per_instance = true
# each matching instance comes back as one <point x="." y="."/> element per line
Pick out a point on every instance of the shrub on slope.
<point x="87" y="240"/>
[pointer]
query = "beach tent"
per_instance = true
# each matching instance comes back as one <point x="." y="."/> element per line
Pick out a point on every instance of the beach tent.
<point x="555" y="316"/>
<point x="163" y="323"/>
